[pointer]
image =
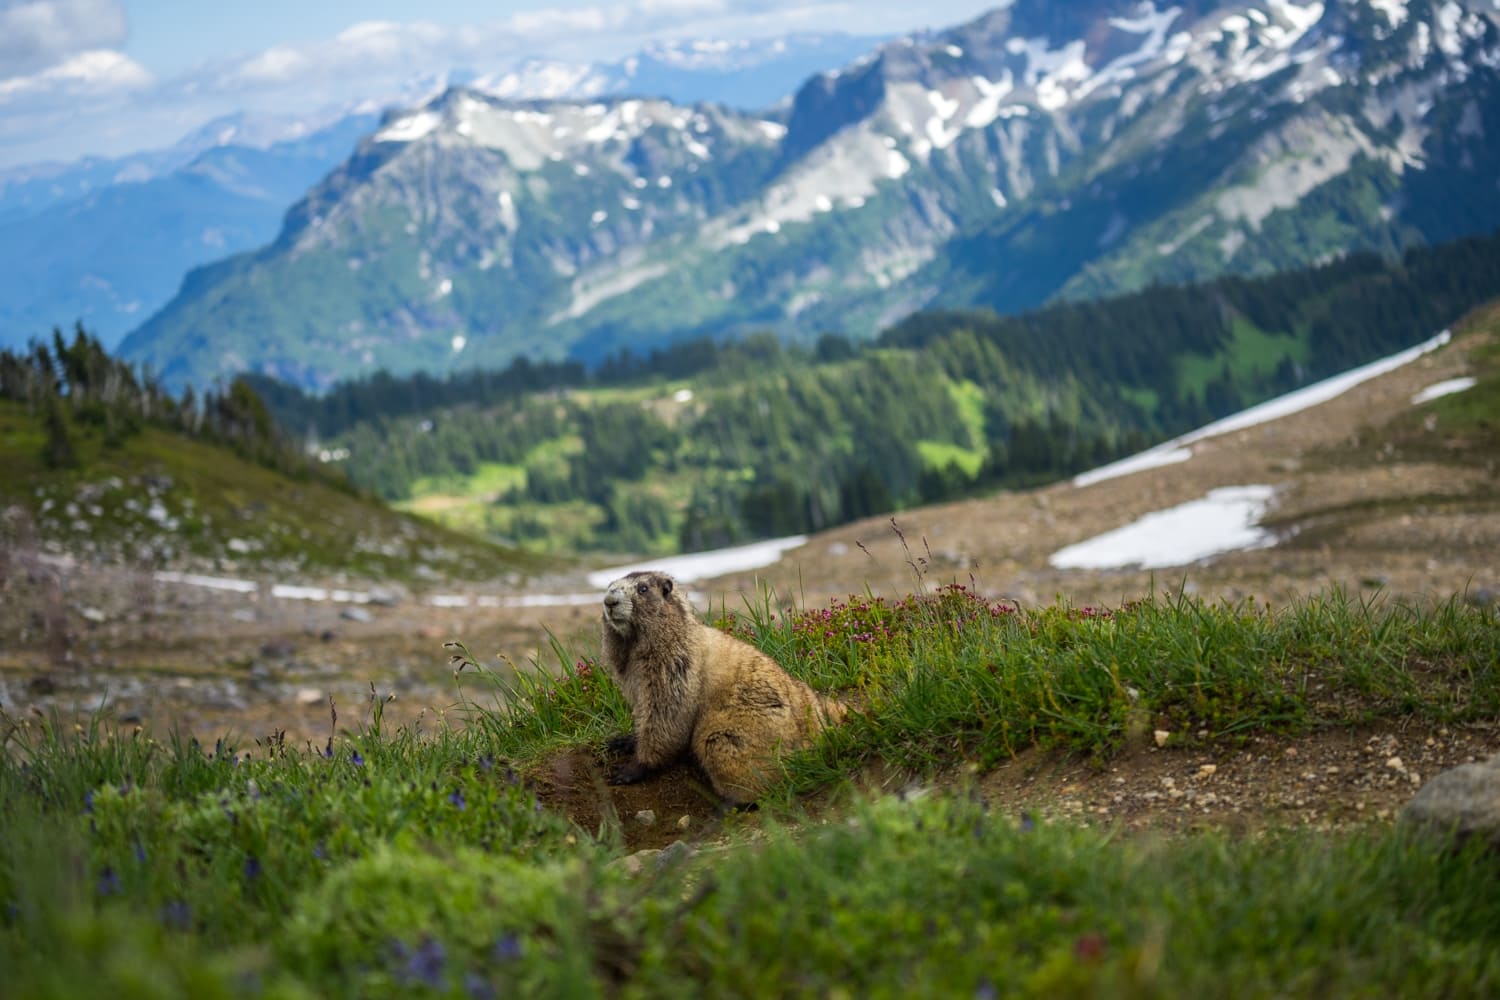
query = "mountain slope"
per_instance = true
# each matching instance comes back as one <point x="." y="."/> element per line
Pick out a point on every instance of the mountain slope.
<point x="1036" y="152"/>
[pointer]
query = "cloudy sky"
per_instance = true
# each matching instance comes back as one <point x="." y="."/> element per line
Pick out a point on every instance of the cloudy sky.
<point x="81" y="77"/>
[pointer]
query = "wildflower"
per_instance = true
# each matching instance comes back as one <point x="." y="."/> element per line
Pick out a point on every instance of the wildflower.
<point x="252" y="868"/>
<point x="1027" y="823"/>
<point x="88" y="802"/>
<point x="1089" y="948"/>
<point x="426" y="963"/>
<point x="457" y="799"/>
<point x="140" y="853"/>
<point x="478" y="987"/>
<point x="985" y="990"/>
<point x="109" y="882"/>
<point x="357" y="759"/>
<point x="328" y="749"/>
<point x="507" y="947"/>
<point x="176" y="915"/>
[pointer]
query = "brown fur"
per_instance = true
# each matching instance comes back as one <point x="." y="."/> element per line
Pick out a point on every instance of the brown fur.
<point x="690" y="686"/>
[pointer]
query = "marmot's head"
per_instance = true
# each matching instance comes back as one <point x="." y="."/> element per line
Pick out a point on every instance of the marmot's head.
<point x="636" y="600"/>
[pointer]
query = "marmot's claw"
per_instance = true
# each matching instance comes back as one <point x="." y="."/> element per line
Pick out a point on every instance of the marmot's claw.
<point x="621" y="744"/>
<point x="628" y="774"/>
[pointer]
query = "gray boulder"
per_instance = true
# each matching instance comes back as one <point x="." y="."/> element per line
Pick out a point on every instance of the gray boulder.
<point x="1461" y="802"/>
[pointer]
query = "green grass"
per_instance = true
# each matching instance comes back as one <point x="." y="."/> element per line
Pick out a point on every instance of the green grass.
<point x="399" y="863"/>
<point x="1251" y="353"/>
<point x="941" y="454"/>
<point x="159" y="491"/>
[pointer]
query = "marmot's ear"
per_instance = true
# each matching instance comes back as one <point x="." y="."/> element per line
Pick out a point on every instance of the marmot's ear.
<point x="666" y="587"/>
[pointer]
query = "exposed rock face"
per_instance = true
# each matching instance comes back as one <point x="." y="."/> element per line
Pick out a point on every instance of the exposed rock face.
<point x="1463" y="801"/>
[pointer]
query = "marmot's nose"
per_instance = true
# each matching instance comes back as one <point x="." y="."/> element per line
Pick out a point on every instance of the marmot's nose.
<point x="612" y="598"/>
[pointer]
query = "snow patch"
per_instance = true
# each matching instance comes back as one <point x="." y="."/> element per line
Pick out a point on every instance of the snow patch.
<point x="700" y="565"/>
<point x="1394" y="10"/>
<point x="1441" y="389"/>
<point x="1226" y="520"/>
<point x="410" y="128"/>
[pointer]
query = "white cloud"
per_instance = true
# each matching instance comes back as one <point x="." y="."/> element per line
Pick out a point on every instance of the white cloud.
<point x="36" y="35"/>
<point x="98" y="73"/>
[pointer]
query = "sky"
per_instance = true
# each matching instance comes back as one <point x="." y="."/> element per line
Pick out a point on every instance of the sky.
<point x="106" y="77"/>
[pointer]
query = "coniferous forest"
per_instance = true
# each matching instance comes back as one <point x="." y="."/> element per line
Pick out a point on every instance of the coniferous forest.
<point x="711" y="443"/>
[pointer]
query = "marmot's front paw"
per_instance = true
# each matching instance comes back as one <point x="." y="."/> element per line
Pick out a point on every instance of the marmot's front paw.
<point x="621" y="744"/>
<point x="628" y="774"/>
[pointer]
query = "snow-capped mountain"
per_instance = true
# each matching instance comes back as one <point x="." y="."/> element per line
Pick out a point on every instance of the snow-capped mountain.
<point x="108" y="241"/>
<point x="1041" y="150"/>
<point x="741" y="73"/>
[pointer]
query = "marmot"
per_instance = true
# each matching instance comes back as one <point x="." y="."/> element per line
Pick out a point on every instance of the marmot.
<point x="691" y="686"/>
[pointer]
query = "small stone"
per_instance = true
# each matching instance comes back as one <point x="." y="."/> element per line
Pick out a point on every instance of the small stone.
<point x="1396" y="764"/>
<point x="646" y="817"/>
<point x="309" y="696"/>
<point x="384" y="597"/>
<point x="1208" y="770"/>
<point x="356" y="614"/>
<point x="684" y="822"/>
<point x="93" y="615"/>
<point x="1161" y="736"/>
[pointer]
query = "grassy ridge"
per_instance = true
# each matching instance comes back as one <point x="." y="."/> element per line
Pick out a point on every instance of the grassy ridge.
<point x="160" y="494"/>
<point x="392" y="863"/>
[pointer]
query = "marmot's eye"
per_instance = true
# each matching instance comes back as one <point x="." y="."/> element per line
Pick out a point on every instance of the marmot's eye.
<point x="641" y="588"/>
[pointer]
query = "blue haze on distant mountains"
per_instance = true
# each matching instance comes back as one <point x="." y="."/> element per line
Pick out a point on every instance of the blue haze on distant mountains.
<point x="108" y="240"/>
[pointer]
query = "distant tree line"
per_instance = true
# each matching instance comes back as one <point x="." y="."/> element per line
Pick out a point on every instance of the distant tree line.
<point x="73" y="386"/>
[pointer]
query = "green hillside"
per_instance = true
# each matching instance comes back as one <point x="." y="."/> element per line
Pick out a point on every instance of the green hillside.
<point x="101" y="464"/>
<point x="705" y="444"/>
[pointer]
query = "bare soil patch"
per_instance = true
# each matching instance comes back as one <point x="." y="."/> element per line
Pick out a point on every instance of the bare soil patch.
<point x="675" y="803"/>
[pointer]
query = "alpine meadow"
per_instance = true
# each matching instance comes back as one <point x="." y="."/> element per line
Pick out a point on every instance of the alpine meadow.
<point x="750" y="499"/>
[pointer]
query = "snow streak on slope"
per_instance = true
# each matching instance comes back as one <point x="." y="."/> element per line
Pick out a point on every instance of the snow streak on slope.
<point x="1176" y="450"/>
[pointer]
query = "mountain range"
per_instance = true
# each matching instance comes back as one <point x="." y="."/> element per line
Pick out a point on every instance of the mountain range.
<point x="1041" y="151"/>
<point x="108" y="240"/>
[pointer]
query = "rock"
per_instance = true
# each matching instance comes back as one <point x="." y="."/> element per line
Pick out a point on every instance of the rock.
<point x="1483" y="597"/>
<point x="356" y="614"/>
<point x="634" y="864"/>
<point x="646" y="817"/>
<point x="93" y="615"/>
<point x="1161" y="736"/>
<point x="637" y="863"/>
<point x="309" y="696"/>
<point x="277" y="649"/>
<point x="1208" y="770"/>
<point x="685" y="822"/>
<point x="1461" y="802"/>
<point x="384" y="597"/>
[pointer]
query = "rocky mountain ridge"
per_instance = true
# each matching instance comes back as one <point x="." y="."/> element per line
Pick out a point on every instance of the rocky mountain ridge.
<point x="1036" y="152"/>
